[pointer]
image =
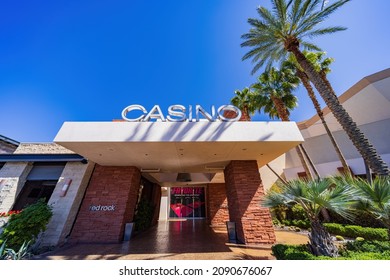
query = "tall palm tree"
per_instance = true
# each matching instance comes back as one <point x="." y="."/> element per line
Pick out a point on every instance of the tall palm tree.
<point x="285" y="29"/>
<point x="274" y="95"/>
<point x="322" y="66"/>
<point x="314" y="196"/>
<point x="246" y="101"/>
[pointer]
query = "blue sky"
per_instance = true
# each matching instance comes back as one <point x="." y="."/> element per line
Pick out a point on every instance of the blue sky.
<point x="87" y="60"/>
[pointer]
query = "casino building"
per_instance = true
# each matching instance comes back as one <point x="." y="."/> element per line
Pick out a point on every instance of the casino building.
<point x="96" y="174"/>
<point x="189" y="164"/>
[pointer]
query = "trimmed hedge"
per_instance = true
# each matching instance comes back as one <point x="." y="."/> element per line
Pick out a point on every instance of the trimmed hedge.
<point x="291" y="252"/>
<point x="368" y="246"/>
<point x="297" y="223"/>
<point x="357" y="231"/>
<point x="362" y="250"/>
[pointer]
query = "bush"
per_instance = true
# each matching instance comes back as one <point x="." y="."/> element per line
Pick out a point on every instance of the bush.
<point x="301" y="252"/>
<point x="364" y="219"/>
<point x="26" y="226"/>
<point x="291" y="252"/>
<point x="301" y="223"/>
<point x="339" y="238"/>
<point x="366" y="256"/>
<point x="368" y="246"/>
<point x="298" y="213"/>
<point x="144" y="215"/>
<point x="357" y="231"/>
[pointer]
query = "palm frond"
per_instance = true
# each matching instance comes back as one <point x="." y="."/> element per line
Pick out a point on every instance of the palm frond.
<point x="292" y="20"/>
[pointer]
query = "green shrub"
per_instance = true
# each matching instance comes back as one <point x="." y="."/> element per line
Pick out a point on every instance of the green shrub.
<point x="297" y="213"/>
<point x="357" y="231"/>
<point x="368" y="246"/>
<point x="301" y="223"/>
<point x="291" y="252"/>
<point x="26" y="226"/>
<point x="336" y="229"/>
<point x="359" y="239"/>
<point x="367" y="256"/>
<point x="339" y="238"/>
<point x="301" y="252"/>
<point x="144" y="215"/>
<point x="364" y="219"/>
<point x="366" y="233"/>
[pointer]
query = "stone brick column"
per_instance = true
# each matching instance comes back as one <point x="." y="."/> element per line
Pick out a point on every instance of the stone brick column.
<point x="109" y="204"/>
<point x="217" y="206"/>
<point x="65" y="208"/>
<point x="13" y="176"/>
<point x="244" y="192"/>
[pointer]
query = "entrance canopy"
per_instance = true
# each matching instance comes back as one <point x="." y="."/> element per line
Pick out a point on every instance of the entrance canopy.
<point x="171" y="147"/>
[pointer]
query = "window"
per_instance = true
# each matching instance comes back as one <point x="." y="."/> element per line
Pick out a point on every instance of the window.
<point x="33" y="191"/>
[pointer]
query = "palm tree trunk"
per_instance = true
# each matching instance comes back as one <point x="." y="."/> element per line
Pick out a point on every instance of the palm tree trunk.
<point x="310" y="161"/>
<point x="364" y="147"/>
<point x="277" y="175"/>
<point x="283" y="115"/>
<point x="305" y="81"/>
<point x="321" y="243"/>
<point x="245" y="114"/>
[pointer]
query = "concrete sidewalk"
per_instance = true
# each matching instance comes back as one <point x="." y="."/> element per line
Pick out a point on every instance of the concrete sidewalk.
<point x="173" y="240"/>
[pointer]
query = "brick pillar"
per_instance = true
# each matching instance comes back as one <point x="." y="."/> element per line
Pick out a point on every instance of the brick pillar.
<point x="217" y="206"/>
<point x="244" y="191"/>
<point x="97" y="220"/>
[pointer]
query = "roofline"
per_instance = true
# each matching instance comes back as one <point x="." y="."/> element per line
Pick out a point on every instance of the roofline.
<point x="42" y="158"/>
<point x="352" y="91"/>
<point x="9" y="140"/>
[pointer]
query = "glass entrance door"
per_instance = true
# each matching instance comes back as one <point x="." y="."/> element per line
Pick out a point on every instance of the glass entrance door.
<point x="187" y="202"/>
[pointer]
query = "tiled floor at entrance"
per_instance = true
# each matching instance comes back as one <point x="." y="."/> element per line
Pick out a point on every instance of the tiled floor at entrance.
<point x="180" y="240"/>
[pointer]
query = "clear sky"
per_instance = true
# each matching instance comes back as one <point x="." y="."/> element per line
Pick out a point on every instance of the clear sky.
<point x="80" y="60"/>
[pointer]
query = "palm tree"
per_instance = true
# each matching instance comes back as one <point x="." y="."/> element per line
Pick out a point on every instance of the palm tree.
<point x="373" y="198"/>
<point x="274" y="95"/>
<point x="314" y="196"/>
<point x="246" y="101"/>
<point x="284" y="30"/>
<point x="322" y="66"/>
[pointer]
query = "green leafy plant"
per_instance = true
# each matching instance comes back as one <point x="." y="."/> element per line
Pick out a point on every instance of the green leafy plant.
<point x="144" y="215"/>
<point x="3" y="252"/>
<point x="313" y="196"/>
<point x="357" y="231"/>
<point x="368" y="246"/>
<point x="26" y="226"/>
<point x="339" y="238"/>
<point x="21" y="254"/>
<point x="353" y="252"/>
<point x="291" y="252"/>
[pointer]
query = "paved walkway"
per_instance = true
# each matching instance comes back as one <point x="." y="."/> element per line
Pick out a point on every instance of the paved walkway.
<point x="174" y="240"/>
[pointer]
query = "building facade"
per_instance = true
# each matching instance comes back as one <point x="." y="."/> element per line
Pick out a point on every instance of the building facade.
<point x="97" y="174"/>
<point x="368" y="103"/>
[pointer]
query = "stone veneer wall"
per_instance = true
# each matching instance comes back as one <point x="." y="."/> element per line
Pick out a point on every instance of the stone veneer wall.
<point x="217" y="206"/>
<point x="65" y="208"/>
<point x="7" y="148"/>
<point x="13" y="175"/>
<point x="244" y="192"/>
<point x="109" y="185"/>
<point x="41" y="148"/>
